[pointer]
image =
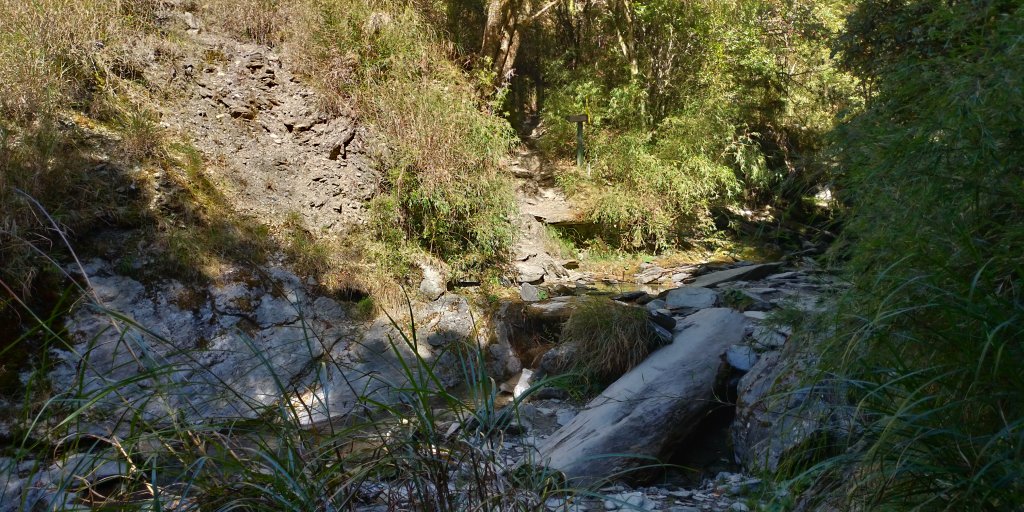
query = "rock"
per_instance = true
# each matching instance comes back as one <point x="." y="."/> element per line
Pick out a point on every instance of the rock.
<point x="559" y="359"/>
<point x="433" y="284"/>
<point x="768" y="337"/>
<point x="523" y="383"/>
<point x="748" y="272"/>
<point x="558" y="308"/>
<point x="530" y="293"/>
<point x="689" y="297"/>
<point x="564" y="416"/>
<point x="656" y="304"/>
<point x="629" y="296"/>
<point x="530" y="273"/>
<point x="192" y="24"/>
<point x="650" y="407"/>
<point x="777" y="418"/>
<point x="650" y="275"/>
<point x="664" y="335"/>
<point x="663" y="318"/>
<point x="741" y="357"/>
<point x="499" y="357"/>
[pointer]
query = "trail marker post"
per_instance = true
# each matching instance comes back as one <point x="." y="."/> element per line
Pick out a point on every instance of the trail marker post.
<point x="579" y="120"/>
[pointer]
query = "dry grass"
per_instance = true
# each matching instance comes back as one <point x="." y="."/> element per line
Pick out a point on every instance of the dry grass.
<point x="261" y="21"/>
<point x="612" y="338"/>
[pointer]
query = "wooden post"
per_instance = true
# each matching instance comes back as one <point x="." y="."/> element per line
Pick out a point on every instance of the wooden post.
<point x="579" y="120"/>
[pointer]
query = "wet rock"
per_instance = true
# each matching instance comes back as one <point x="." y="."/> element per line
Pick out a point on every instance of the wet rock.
<point x="649" y="407"/>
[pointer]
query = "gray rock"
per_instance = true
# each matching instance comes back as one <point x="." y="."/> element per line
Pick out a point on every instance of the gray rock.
<point x="629" y="296"/>
<point x="559" y="359"/>
<point x="656" y="304"/>
<point x="689" y="297"/>
<point x="663" y="318"/>
<point x="741" y="357"/>
<point x="558" y="308"/>
<point x="649" y="407"/>
<point x="768" y="337"/>
<point x="530" y="273"/>
<point x="433" y="284"/>
<point x="499" y="357"/>
<point x="748" y="272"/>
<point x="778" y="418"/>
<point x="649" y="274"/>
<point x="529" y="293"/>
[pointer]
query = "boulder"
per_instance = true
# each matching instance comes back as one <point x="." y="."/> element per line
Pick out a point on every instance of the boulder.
<point x="690" y="297"/>
<point x="530" y="293"/>
<point x="780" y="420"/>
<point x="649" y="408"/>
<point x="741" y="357"/>
<point x="433" y="284"/>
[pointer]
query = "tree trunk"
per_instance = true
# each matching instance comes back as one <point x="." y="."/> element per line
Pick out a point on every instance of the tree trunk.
<point x="505" y="19"/>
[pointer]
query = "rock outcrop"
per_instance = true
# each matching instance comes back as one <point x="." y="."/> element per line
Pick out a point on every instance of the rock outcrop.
<point x="237" y="346"/>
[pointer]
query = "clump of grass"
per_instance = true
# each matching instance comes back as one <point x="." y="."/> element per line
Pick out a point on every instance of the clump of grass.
<point x="260" y="21"/>
<point x="610" y="338"/>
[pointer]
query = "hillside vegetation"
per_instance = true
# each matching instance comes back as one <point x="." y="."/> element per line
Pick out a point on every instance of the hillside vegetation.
<point x="703" y="117"/>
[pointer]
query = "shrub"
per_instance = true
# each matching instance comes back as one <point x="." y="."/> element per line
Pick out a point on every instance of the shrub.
<point x="444" y="186"/>
<point x="611" y="338"/>
<point x="932" y="330"/>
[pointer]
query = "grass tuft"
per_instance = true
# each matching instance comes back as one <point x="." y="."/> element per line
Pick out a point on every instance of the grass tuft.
<point x="610" y="338"/>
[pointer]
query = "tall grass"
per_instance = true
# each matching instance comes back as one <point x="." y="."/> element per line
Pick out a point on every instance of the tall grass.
<point x="58" y="59"/>
<point x="407" y="444"/>
<point x="444" y="185"/>
<point x="609" y="338"/>
<point x="930" y="338"/>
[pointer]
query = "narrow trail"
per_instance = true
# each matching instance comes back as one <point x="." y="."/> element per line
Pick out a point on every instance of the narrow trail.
<point x="540" y="202"/>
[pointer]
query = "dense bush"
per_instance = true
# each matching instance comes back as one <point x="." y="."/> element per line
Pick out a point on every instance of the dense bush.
<point x="692" y="105"/>
<point x="932" y="334"/>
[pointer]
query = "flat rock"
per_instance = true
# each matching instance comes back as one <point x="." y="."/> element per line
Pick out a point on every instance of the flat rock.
<point x="690" y="297"/>
<point x="648" y="408"/>
<point x="748" y="272"/>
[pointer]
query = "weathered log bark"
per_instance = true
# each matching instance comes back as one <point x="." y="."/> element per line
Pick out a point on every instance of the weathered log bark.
<point x="649" y="408"/>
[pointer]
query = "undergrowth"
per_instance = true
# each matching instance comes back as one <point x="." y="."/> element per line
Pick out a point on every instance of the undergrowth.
<point x="609" y="339"/>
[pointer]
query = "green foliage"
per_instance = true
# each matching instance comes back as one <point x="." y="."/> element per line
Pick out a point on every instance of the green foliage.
<point x="692" y="106"/>
<point x="610" y="338"/>
<point x="444" y="187"/>
<point x="931" y="340"/>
